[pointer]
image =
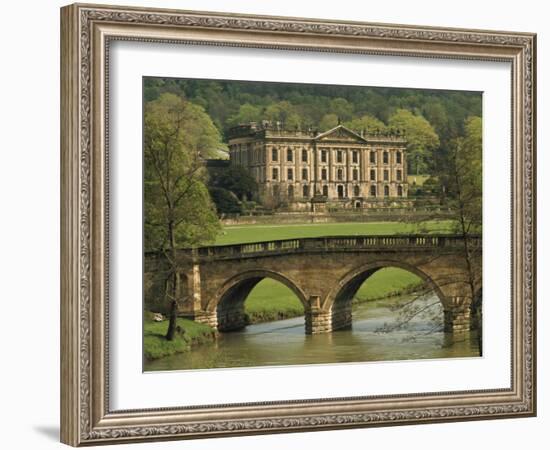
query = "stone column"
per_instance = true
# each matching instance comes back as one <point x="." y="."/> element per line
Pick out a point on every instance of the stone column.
<point x="317" y="320"/>
<point x="457" y="315"/>
<point x="209" y="318"/>
<point x="330" y="183"/>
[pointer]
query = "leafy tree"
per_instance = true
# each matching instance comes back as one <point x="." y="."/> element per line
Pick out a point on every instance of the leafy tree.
<point x="247" y="113"/>
<point x="421" y="138"/>
<point x="280" y="112"/>
<point x="466" y="183"/>
<point x="464" y="174"/>
<point x="467" y="155"/>
<point x="235" y="179"/>
<point x="178" y="209"/>
<point x="226" y="201"/>
<point x="342" y="108"/>
<point x="328" y="122"/>
<point x="367" y="122"/>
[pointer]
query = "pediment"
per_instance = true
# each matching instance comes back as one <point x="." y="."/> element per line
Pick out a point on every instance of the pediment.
<point x="341" y="134"/>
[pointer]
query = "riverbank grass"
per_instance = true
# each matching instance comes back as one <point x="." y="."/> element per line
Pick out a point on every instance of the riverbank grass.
<point x="156" y="346"/>
<point x="388" y="282"/>
<point x="271" y="300"/>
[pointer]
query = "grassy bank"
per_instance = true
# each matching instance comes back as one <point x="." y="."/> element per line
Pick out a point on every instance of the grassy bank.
<point x="156" y="346"/>
<point x="387" y="282"/>
<point x="271" y="300"/>
<point x="240" y="234"/>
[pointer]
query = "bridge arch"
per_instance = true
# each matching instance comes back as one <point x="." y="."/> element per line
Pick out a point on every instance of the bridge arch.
<point x="228" y="302"/>
<point x="339" y="299"/>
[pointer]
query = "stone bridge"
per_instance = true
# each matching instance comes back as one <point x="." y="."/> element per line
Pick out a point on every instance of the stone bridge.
<point x="325" y="274"/>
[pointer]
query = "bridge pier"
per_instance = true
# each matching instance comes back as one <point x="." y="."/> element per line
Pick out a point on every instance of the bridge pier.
<point x="232" y="317"/>
<point x="341" y="315"/>
<point x="457" y="315"/>
<point x="209" y="318"/>
<point x="318" y="322"/>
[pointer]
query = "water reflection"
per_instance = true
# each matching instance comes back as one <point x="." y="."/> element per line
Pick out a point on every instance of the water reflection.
<point x="284" y="343"/>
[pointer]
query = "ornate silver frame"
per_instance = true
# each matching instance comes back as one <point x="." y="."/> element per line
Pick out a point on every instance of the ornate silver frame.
<point x="86" y="31"/>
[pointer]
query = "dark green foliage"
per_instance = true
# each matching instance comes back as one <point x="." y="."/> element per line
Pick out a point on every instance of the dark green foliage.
<point x="226" y="201"/>
<point x="235" y="179"/>
<point x="306" y="105"/>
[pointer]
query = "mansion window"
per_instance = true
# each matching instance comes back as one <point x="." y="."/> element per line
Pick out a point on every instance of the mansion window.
<point x="385" y="157"/>
<point x="339" y="156"/>
<point x="398" y="157"/>
<point x="323" y="156"/>
<point x="355" y="156"/>
<point x="373" y="175"/>
<point x="398" y="174"/>
<point x="289" y="155"/>
<point x="291" y="191"/>
<point x="325" y="190"/>
<point x="304" y="155"/>
<point x="400" y="191"/>
<point x="304" y="174"/>
<point x="305" y="191"/>
<point x="386" y="175"/>
<point x="355" y="174"/>
<point x="274" y="154"/>
<point x="372" y="157"/>
<point x="275" y="174"/>
<point x="386" y="191"/>
<point x="340" y="189"/>
<point x="356" y="191"/>
<point x="340" y="174"/>
<point x="373" y="191"/>
<point x="289" y="174"/>
<point x="323" y="174"/>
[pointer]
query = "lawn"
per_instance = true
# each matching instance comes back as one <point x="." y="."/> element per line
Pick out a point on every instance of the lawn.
<point x="240" y="234"/>
<point x="156" y="346"/>
<point x="271" y="300"/>
<point x="418" y="179"/>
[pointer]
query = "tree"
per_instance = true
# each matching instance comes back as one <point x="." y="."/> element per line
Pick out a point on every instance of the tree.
<point x="367" y="122"/>
<point x="235" y="179"/>
<point x="247" y="113"/>
<point x="421" y="138"/>
<point x="466" y="182"/>
<point x="178" y="209"/>
<point x="464" y="173"/>
<point x="226" y="201"/>
<point x="341" y="108"/>
<point x="281" y="112"/>
<point x="328" y="122"/>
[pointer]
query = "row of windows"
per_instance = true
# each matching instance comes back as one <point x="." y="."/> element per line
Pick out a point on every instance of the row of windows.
<point x="339" y="156"/>
<point x="341" y="191"/>
<point x="339" y="174"/>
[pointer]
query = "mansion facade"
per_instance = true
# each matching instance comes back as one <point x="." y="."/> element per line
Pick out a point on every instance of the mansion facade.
<point x="336" y="166"/>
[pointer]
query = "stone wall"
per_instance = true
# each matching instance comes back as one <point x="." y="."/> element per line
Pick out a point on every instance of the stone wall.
<point x="301" y="217"/>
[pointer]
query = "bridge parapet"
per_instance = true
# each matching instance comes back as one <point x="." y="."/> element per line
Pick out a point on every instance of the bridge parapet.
<point x="416" y="242"/>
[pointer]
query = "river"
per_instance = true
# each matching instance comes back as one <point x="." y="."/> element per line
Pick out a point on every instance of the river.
<point x="284" y="342"/>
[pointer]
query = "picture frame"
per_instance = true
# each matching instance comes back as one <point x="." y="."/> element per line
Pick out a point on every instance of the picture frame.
<point x="87" y="32"/>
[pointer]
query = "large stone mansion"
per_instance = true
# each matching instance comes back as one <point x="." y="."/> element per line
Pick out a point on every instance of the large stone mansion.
<point x="336" y="166"/>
